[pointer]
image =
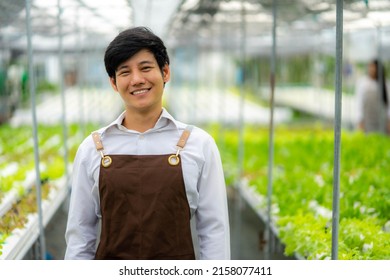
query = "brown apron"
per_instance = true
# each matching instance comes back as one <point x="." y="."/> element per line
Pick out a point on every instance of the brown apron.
<point x="144" y="207"/>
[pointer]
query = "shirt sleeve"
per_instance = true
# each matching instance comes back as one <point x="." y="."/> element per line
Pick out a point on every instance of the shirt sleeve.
<point x="212" y="219"/>
<point x="82" y="225"/>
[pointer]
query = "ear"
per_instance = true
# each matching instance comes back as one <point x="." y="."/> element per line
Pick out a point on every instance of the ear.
<point x="166" y="73"/>
<point x="113" y="83"/>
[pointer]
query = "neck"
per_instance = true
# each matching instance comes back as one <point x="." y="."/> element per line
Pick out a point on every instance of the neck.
<point x="141" y="122"/>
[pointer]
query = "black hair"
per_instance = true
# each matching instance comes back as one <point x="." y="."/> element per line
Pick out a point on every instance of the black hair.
<point x="130" y="41"/>
<point x="380" y="69"/>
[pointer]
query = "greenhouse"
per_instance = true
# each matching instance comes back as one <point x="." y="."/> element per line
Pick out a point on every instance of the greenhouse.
<point x="277" y="84"/>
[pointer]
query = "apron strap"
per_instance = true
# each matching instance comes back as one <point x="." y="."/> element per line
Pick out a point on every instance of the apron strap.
<point x="97" y="141"/>
<point x="106" y="160"/>
<point x="173" y="159"/>
<point x="181" y="143"/>
<point x="184" y="137"/>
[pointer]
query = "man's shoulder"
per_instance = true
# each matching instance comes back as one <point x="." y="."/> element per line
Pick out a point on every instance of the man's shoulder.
<point x="198" y="135"/>
<point x="88" y="143"/>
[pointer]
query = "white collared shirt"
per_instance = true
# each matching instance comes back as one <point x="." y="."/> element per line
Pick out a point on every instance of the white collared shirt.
<point x="202" y="173"/>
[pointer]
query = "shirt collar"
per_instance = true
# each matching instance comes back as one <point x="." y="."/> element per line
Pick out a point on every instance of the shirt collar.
<point x="165" y="120"/>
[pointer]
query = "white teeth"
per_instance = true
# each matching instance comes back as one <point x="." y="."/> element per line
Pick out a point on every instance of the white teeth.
<point x="137" y="92"/>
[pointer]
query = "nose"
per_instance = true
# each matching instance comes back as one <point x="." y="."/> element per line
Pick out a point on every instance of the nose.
<point x="137" y="78"/>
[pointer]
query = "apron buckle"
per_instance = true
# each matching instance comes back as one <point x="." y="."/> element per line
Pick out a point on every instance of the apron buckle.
<point x="106" y="161"/>
<point x="175" y="159"/>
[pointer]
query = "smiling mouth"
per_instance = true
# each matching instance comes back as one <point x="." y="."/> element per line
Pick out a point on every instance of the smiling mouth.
<point x="139" y="92"/>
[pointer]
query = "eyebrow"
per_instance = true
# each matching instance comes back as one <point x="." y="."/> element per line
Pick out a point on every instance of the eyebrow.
<point x="145" y="62"/>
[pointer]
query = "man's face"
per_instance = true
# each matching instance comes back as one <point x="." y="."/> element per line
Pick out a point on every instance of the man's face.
<point x="140" y="82"/>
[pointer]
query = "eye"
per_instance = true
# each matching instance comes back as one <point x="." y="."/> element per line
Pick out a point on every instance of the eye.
<point x="146" y="68"/>
<point x="123" y="73"/>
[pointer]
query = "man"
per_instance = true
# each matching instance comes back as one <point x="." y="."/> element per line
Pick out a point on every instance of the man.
<point x="145" y="175"/>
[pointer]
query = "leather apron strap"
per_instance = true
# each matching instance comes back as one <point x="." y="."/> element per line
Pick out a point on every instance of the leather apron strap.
<point x="173" y="159"/>
<point x="180" y="144"/>
<point x="106" y="160"/>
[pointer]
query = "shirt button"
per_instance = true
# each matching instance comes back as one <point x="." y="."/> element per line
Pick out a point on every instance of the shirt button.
<point x="141" y="137"/>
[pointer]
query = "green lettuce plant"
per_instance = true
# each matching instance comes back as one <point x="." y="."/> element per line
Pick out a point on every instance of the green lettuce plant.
<point x="303" y="187"/>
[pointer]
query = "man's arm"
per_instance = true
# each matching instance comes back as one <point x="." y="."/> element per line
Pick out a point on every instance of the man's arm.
<point x="81" y="231"/>
<point x="212" y="214"/>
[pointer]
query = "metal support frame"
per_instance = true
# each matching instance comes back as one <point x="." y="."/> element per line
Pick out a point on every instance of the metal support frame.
<point x="42" y="242"/>
<point x="80" y="81"/>
<point x="268" y="231"/>
<point x="337" y="129"/>
<point x="62" y="91"/>
<point x="241" y="129"/>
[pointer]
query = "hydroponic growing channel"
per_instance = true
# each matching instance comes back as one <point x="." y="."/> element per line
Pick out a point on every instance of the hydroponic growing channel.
<point x="18" y="205"/>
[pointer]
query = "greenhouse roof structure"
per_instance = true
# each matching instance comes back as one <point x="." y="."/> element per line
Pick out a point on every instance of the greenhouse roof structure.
<point x="180" y="22"/>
